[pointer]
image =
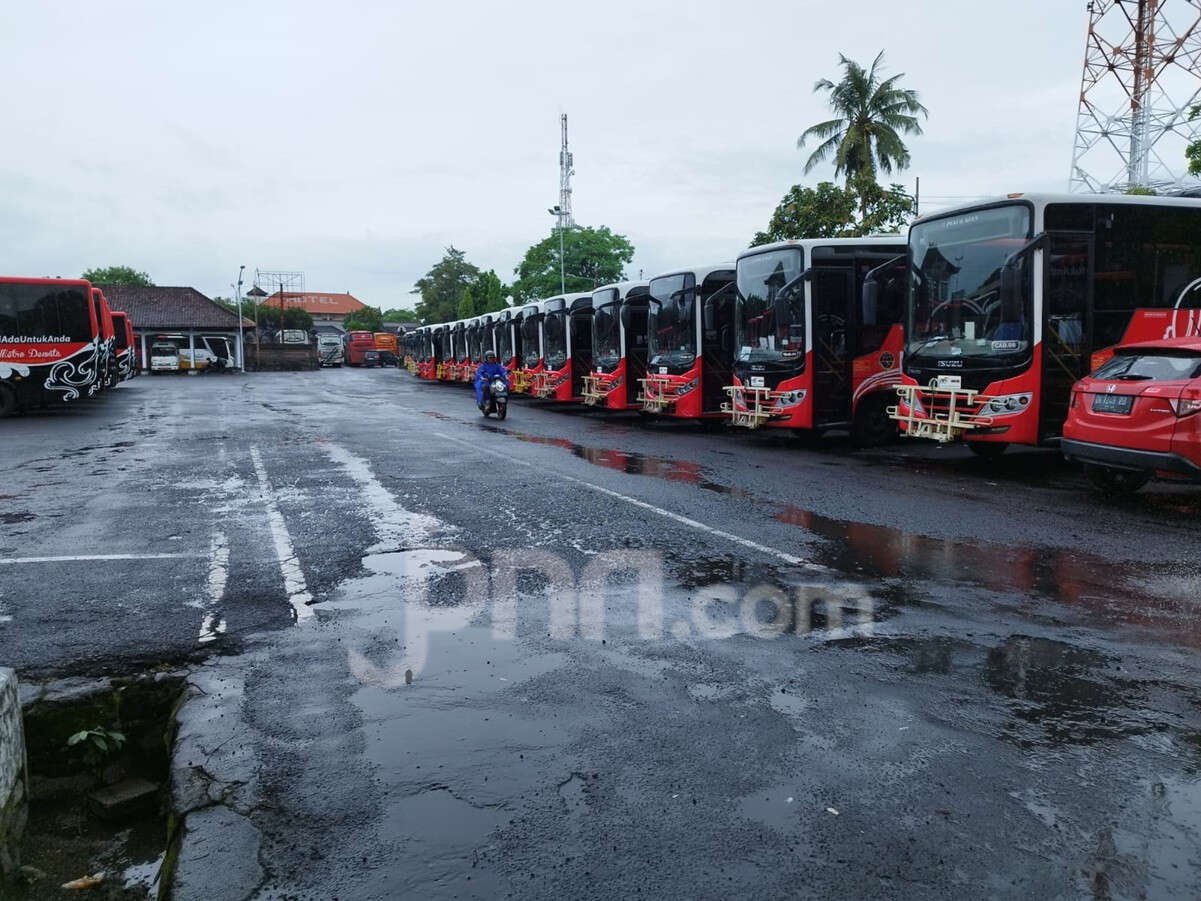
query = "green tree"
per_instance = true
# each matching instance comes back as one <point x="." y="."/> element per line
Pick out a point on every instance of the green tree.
<point x="442" y="287"/>
<point x="870" y="116"/>
<point x="1141" y="191"/>
<point x="268" y="317"/>
<point x="117" y="275"/>
<point x="488" y="292"/>
<point x="829" y="211"/>
<point x="401" y="315"/>
<point x="592" y="257"/>
<point x="466" y="304"/>
<point x="367" y="319"/>
<point x="1193" y="151"/>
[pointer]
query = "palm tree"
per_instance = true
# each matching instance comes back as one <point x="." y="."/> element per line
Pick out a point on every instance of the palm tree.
<point x="872" y="116"/>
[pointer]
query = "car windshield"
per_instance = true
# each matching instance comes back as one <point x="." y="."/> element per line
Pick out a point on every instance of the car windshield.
<point x="770" y="314"/>
<point x="671" y="321"/>
<point x="531" y="347"/>
<point x="970" y="287"/>
<point x="1151" y="365"/>
<point x="606" y="330"/>
<point x="555" y="335"/>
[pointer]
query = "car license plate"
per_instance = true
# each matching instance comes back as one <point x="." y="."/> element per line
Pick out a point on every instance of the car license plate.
<point x="1113" y="403"/>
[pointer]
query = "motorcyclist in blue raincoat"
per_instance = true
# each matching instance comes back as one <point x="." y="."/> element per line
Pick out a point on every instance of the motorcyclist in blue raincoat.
<point x="485" y="373"/>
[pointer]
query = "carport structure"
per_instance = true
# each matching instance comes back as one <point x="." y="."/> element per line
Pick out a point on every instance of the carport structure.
<point x="179" y="312"/>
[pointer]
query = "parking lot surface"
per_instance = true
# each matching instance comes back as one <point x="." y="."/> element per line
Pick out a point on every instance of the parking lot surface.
<point x="576" y="655"/>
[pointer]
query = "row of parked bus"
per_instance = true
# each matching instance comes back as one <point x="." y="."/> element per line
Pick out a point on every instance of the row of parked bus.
<point x="59" y="342"/>
<point x="979" y="326"/>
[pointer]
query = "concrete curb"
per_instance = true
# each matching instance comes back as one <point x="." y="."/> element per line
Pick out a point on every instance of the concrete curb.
<point x="14" y="778"/>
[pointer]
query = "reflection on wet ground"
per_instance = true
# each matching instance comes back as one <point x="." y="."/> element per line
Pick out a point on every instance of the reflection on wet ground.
<point x="1105" y="592"/>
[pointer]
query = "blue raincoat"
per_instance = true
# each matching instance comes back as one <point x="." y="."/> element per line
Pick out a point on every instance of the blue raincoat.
<point x="484" y="374"/>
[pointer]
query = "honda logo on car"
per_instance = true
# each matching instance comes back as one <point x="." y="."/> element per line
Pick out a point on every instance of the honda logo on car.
<point x="1110" y="389"/>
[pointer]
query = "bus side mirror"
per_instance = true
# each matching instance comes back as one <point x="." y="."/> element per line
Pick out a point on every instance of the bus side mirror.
<point x="870" y="301"/>
<point x="783" y="311"/>
<point x="1011" y="286"/>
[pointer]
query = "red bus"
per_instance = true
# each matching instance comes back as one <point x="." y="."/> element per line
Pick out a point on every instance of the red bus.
<point x="529" y="328"/>
<point x="506" y="339"/>
<point x="50" y="341"/>
<point x="566" y="347"/>
<point x="126" y="355"/>
<point x="388" y="347"/>
<point x="1011" y="302"/>
<point x="818" y="335"/>
<point x="618" y="346"/>
<point x="107" y="372"/>
<point x="357" y="344"/>
<point x="690" y="342"/>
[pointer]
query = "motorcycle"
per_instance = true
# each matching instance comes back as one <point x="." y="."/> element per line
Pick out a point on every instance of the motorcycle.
<point x="496" y="398"/>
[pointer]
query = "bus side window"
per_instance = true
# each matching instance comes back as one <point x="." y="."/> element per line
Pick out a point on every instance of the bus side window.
<point x="882" y="309"/>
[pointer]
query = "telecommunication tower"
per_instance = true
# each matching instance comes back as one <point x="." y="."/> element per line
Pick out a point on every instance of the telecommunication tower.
<point x="1142" y="77"/>
<point x="565" y="173"/>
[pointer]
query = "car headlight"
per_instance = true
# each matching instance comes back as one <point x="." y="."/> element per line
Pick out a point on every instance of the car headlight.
<point x="1006" y="404"/>
<point x="790" y="398"/>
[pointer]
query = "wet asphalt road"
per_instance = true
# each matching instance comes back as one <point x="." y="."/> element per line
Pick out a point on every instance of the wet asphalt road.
<point x="577" y="656"/>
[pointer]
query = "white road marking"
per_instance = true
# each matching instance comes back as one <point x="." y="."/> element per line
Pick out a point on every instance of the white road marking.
<point x="289" y="564"/>
<point x="394" y="525"/>
<point x="86" y="557"/>
<point x="213" y="625"/>
<point x="4" y="617"/>
<point x="791" y="559"/>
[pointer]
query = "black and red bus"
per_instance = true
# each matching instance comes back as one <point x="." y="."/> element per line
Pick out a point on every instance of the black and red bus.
<point x="566" y="347"/>
<point x="529" y="328"/>
<point x="618" y="346"/>
<point x="50" y="339"/>
<point x="818" y="335"/>
<point x="1009" y="303"/>
<point x="690" y="342"/>
<point x="126" y="351"/>
<point x="108" y="375"/>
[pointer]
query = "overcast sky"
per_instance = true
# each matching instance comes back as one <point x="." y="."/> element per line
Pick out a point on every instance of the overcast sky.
<point x="355" y="140"/>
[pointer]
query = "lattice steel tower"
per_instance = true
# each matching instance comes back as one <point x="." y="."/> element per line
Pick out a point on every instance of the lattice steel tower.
<point x="1142" y="76"/>
<point x="565" y="173"/>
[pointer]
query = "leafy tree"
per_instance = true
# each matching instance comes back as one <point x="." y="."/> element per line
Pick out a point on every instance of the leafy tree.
<point x="367" y="319"/>
<point x="268" y="317"/>
<point x="592" y="257"/>
<point x="1193" y="151"/>
<point x="1141" y="190"/>
<point x="401" y="315"/>
<point x="488" y="292"/>
<point x="442" y="287"/>
<point x="829" y="211"/>
<point x="870" y="116"/>
<point x="466" y="304"/>
<point x="118" y="275"/>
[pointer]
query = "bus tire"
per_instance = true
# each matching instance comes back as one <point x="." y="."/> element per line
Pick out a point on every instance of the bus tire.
<point x="872" y="427"/>
<point x="987" y="450"/>
<point x="1116" y="481"/>
<point x="8" y="401"/>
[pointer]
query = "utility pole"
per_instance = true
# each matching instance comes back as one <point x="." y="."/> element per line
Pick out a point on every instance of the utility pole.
<point x="241" y="336"/>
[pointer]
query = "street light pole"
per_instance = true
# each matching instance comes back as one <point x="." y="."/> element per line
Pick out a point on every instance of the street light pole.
<point x="241" y="337"/>
<point x="558" y="213"/>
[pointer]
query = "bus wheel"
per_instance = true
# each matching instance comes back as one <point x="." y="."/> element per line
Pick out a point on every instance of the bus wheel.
<point x="989" y="450"/>
<point x="8" y="401"/>
<point x="1116" y="481"/>
<point x="872" y="427"/>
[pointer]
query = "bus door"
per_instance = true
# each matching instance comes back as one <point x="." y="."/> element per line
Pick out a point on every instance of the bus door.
<point x="581" y="349"/>
<point x="834" y="321"/>
<point x="717" y="345"/>
<point x="633" y="321"/>
<point x="1067" y="324"/>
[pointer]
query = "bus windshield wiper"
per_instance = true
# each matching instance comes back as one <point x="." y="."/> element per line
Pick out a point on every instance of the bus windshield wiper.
<point x="928" y="342"/>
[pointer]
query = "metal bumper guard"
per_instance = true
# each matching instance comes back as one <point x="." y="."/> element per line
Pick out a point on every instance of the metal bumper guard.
<point x="544" y="384"/>
<point x="597" y="388"/>
<point x="751" y="407"/>
<point x="947" y="414"/>
<point x="656" y="394"/>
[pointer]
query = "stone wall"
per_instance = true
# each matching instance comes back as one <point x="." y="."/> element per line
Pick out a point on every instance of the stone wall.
<point x="13" y="774"/>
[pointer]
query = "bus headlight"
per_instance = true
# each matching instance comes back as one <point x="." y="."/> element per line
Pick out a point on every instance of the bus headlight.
<point x="790" y="398"/>
<point x="1006" y="404"/>
<point x="685" y="388"/>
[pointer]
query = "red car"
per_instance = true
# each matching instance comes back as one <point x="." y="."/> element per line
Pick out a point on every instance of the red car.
<point x="1139" y="415"/>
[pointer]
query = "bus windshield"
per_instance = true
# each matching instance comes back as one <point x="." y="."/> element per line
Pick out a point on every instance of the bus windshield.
<point x="531" y="349"/>
<point x="606" y="330"/>
<point x="958" y="266"/>
<point x="475" y="340"/>
<point x="554" y="332"/>
<point x="770" y="313"/>
<point x="43" y="314"/>
<point x="671" y="322"/>
<point x="504" y="342"/>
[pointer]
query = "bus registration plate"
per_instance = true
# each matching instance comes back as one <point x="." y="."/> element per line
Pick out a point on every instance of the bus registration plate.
<point x="948" y="381"/>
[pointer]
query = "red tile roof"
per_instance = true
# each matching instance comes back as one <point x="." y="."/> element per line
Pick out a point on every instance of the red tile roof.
<point x="317" y="303"/>
<point x="160" y="307"/>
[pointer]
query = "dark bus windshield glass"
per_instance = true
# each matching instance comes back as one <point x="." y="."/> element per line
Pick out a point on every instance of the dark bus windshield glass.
<point x="554" y="334"/>
<point x="770" y="315"/>
<point x="531" y="351"/>
<point x="504" y="342"/>
<point x="957" y="307"/>
<point x="671" y="321"/>
<point x="475" y="341"/>
<point x="606" y="330"/>
<point x="43" y="314"/>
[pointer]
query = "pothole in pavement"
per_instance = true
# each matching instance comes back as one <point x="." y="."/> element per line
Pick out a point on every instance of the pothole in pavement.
<point x="99" y="762"/>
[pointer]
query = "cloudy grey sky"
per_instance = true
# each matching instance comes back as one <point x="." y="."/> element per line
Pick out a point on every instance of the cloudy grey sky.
<point x="354" y="140"/>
